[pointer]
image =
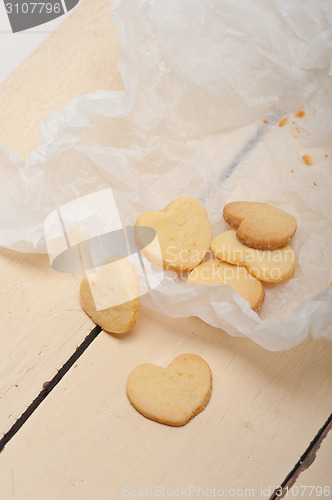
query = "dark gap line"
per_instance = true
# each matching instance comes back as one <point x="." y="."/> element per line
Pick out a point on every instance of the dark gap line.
<point x="48" y="387"/>
<point x="305" y="461"/>
<point x="250" y="145"/>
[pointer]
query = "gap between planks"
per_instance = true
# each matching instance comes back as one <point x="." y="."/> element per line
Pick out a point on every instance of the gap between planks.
<point x="305" y="461"/>
<point x="49" y="386"/>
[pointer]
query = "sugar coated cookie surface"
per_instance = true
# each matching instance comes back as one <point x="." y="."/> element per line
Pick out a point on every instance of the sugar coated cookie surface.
<point x="260" y="225"/>
<point x="214" y="272"/>
<point x="184" y="233"/>
<point x="110" y="296"/>
<point x="172" y="395"/>
<point x="266" y="265"/>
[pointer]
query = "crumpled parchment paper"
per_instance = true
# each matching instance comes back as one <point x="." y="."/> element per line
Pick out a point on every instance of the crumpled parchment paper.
<point x="207" y="84"/>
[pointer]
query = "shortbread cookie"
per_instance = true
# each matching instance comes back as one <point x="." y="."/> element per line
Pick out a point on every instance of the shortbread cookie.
<point x="110" y="296"/>
<point x="214" y="272"/>
<point x="172" y="395"/>
<point x="184" y="234"/>
<point x="266" y="265"/>
<point x="260" y="225"/>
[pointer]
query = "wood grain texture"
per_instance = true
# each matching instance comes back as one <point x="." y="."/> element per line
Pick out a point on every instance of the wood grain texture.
<point x="264" y="410"/>
<point x="80" y="57"/>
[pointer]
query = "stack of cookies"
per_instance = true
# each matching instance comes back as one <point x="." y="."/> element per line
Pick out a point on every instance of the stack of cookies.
<point x="255" y="250"/>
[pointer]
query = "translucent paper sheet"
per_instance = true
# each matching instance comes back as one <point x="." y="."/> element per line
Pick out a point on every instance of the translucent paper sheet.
<point x="207" y="84"/>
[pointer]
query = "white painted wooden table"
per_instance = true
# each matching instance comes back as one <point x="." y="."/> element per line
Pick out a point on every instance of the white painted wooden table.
<point x="80" y="438"/>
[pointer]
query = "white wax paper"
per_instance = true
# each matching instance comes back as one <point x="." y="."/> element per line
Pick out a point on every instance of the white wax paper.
<point x="202" y="79"/>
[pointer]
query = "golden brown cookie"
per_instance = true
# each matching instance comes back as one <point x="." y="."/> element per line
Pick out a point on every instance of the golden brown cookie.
<point x="260" y="225"/>
<point x="110" y="296"/>
<point x="172" y="395"/>
<point x="184" y="234"/>
<point x="266" y="265"/>
<point x="214" y="272"/>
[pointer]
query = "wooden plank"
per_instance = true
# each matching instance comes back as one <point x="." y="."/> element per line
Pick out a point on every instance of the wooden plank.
<point x="264" y="410"/>
<point x="41" y="320"/>
<point x="312" y="475"/>
<point x="318" y="475"/>
<point x="80" y="57"/>
<point x="42" y="323"/>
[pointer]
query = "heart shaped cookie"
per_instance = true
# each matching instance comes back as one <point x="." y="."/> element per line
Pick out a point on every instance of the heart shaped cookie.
<point x="172" y="395"/>
<point x="214" y="272"/>
<point x="266" y="265"/>
<point x="184" y="233"/>
<point x="110" y="296"/>
<point x="260" y="225"/>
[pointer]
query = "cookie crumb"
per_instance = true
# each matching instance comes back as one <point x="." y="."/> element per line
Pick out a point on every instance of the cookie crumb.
<point x="307" y="159"/>
<point x="315" y="184"/>
<point x="265" y="121"/>
<point x="295" y="136"/>
<point x="326" y="156"/>
<point x="17" y="385"/>
<point x="292" y="171"/>
<point x="283" y="122"/>
<point x="330" y="283"/>
<point x="299" y="114"/>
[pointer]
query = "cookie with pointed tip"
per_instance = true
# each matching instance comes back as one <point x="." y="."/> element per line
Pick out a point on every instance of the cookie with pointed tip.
<point x="267" y="265"/>
<point x="260" y="225"/>
<point x="184" y="233"/>
<point x="215" y="272"/>
<point x="110" y="295"/>
<point x="172" y="395"/>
